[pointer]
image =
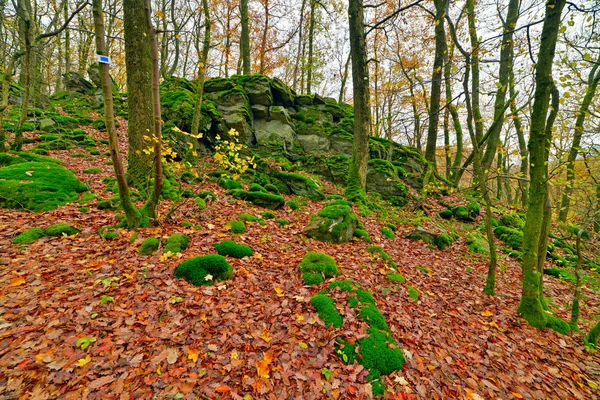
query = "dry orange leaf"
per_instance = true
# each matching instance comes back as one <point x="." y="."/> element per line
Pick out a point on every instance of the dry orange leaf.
<point x="266" y="336"/>
<point x="278" y="290"/>
<point x="262" y="367"/>
<point x="223" y="389"/>
<point x="487" y="313"/>
<point x="17" y="281"/>
<point x="193" y="355"/>
<point x="517" y="395"/>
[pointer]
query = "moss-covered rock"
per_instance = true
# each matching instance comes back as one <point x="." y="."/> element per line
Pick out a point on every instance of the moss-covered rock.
<point x="316" y="267"/>
<point x="176" y="243"/>
<point x="327" y="311"/>
<point x="38" y="186"/>
<point x="301" y="186"/>
<point x="204" y="270"/>
<point x="61" y="229"/>
<point x="149" y="246"/>
<point x="236" y="226"/>
<point x="335" y="223"/>
<point x="477" y="243"/>
<point x="265" y="200"/>
<point x="443" y="240"/>
<point x="29" y="236"/>
<point x="510" y="236"/>
<point x="446" y="214"/>
<point x="232" y="249"/>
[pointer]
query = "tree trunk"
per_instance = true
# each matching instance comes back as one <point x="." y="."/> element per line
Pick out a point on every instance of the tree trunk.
<point x="470" y="6"/>
<point x="593" y="80"/>
<point x="311" y="40"/>
<point x="245" y="38"/>
<point x="436" y="82"/>
<point x="138" y="60"/>
<point x="506" y="65"/>
<point x="131" y="213"/>
<point x="344" y="79"/>
<point x="530" y="306"/>
<point x="524" y="153"/>
<point x="201" y="72"/>
<point x="357" y="179"/>
<point x="26" y="34"/>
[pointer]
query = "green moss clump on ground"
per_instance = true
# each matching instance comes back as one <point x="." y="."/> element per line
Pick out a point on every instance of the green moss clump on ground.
<point x="60" y="229"/>
<point x="200" y="203"/>
<point x="149" y="246"/>
<point x="236" y="226"/>
<point x="388" y="233"/>
<point x="176" y="243"/>
<point x="380" y="354"/>
<point x="206" y="194"/>
<point x="268" y="215"/>
<point x="229" y="184"/>
<point x="272" y="188"/>
<point x="248" y="218"/>
<point x="30" y="235"/>
<point x="92" y="171"/>
<point x="462" y="214"/>
<point x="396" y="278"/>
<point x="255" y="187"/>
<point x="477" y="243"/>
<point x="326" y="309"/>
<point x="316" y="267"/>
<point x="302" y="186"/>
<point x="446" y="214"/>
<point x="442" y="241"/>
<point x="204" y="270"/>
<point x="111" y="235"/>
<point x="510" y="236"/>
<point x="293" y="205"/>
<point x="560" y="273"/>
<point x="512" y="220"/>
<point x="363" y="234"/>
<point x="386" y="257"/>
<point x="232" y="249"/>
<point x="591" y="339"/>
<point x="38" y="186"/>
<point x="413" y="293"/>
<point x="266" y="200"/>
<point x="334" y="212"/>
<point x="282" y="222"/>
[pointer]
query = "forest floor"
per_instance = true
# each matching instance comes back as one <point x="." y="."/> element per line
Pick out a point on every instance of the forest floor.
<point x="163" y="337"/>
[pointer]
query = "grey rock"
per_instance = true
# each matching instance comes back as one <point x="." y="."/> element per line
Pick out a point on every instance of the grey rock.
<point x="314" y="144"/>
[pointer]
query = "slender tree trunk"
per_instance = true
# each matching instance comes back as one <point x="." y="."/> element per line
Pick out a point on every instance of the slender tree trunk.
<point x="344" y="79"/>
<point x="156" y="129"/>
<point x="138" y="60"/>
<point x="245" y="38"/>
<point x="506" y="65"/>
<point x="593" y="80"/>
<point x="530" y="306"/>
<point x="131" y="213"/>
<point x="470" y="6"/>
<point x="265" y="36"/>
<point x="201" y="71"/>
<point x="24" y="16"/>
<point x="357" y="179"/>
<point x="523" y="152"/>
<point x="311" y="40"/>
<point x="300" y="45"/>
<point x="436" y="83"/>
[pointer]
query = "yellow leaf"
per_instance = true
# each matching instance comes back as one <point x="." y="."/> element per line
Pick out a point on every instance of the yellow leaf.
<point x="128" y="276"/>
<point x="262" y="367"/>
<point x="266" y="336"/>
<point x="279" y="291"/>
<point x="193" y="355"/>
<point x="158" y="371"/>
<point x="299" y="317"/>
<point x="517" y="395"/>
<point x="234" y="355"/>
<point x="487" y="313"/>
<point x="17" y="281"/>
<point x="83" y="361"/>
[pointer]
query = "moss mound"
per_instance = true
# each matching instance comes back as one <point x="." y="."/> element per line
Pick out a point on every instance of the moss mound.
<point x="236" y="226"/>
<point x="443" y="240"/>
<point x="510" y="236"/>
<point x="149" y="246"/>
<point x="327" y="311"/>
<point x="446" y="214"/>
<point x="388" y="233"/>
<point x="477" y="243"/>
<point x="204" y="270"/>
<point x="29" y="236"/>
<point x="201" y="203"/>
<point x="60" y="229"/>
<point x="316" y="267"/>
<point x="38" y="186"/>
<point x="176" y="243"/>
<point x="232" y="249"/>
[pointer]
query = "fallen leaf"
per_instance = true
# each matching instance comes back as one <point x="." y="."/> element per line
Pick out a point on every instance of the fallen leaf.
<point x="83" y="361"/>
<point x="262" y="367"/>
<point x="278" y="290"/>
<point x="487" y="313"/>
<point x="17" y="281"/>
<point x="98" y="383"/>
<point x="192" y="355"/>
<point x="223" y="389"/>
<point x="266" y="336"/>
<point x="173" y="356"/>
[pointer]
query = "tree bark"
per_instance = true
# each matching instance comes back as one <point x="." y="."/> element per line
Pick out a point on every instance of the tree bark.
<point x="201" y="71"/>
<point x="530" y="306"/>
<point x="138" y="60"/>
<point x="245" y="38"/>
<point x="436" y="82"/>
<point x="311" y="40"/>
<point x="131" y="213"/>
<point x="357" y="179"/>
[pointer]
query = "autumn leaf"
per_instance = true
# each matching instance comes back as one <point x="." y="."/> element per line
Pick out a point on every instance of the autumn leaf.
<point x="192" y="355"/>
<point x="17" y="281"/>
<point x="262" y="367"/>
<point x="266" y="336"/>
<point x="83" y="361"/>
<point x="223" y="389"/>
<point x="278" y="290"/>
<point x="487" y="313"/>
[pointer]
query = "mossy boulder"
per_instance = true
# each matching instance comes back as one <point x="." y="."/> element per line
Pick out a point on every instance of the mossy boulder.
<point x="232" y="249"/>
<point x="301" y="186"/>
<point x="382" y="178"/>
<point x="29" y="236"/>
<point x="217" y="85"/>
<point x="61" y="229"/>
<point x="38" y="186"/>
<point x="335" y="223"/>
<point x="149" y="246"/>
<point x="262" y="199"/>
<point x="176" y="243"/>
<point x="257" y="87"/>
<point x="477" y="243"/>
<point x="204" y="270"/>
<point x="316" y="267"/>
<point x="510" y="236"/>
<point x="236" y="226"/>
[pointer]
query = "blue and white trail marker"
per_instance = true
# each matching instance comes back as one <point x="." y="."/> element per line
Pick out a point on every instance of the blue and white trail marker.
<point x="103" y="59"/>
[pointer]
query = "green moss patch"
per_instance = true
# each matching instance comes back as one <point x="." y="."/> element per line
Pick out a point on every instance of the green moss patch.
<point x="388" y="233"/>
<point x="204" y="270"/>
<point x="235" y="226"/>
<point x="38" y="186"/>
<point x="29" y="236"/>
<point x="232" y="249"/>
<point x="477" y="243"/>
<point x="446" y="214"/>
<point x="396" y="278"/>
<point x="201" y="203"/>
<point x="385" y="256"/>
<point x="510" y="236"/>
<point x="149" y="246"/>
<point x="443" y="240"/>
<point x="176" y="243"/>
<point x="61" y="229"/>
<point x="316" y="267"/>
<point x="327" y="311"/>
